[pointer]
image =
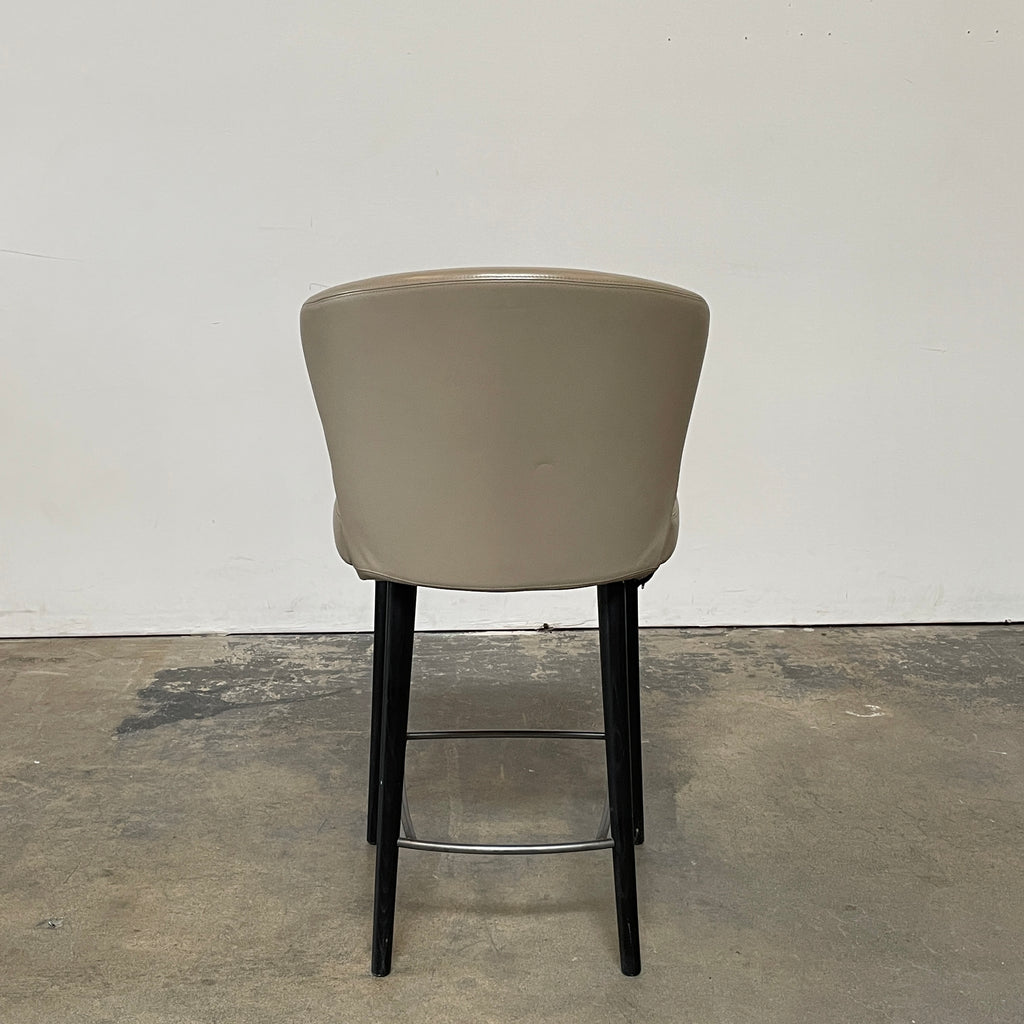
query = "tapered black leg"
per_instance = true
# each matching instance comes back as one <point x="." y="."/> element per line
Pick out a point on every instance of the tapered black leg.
<point x="400" y="618"/>
<point x="612" y="620"/>
<point x="636" y="769"/>
<point x="376" y="704"/>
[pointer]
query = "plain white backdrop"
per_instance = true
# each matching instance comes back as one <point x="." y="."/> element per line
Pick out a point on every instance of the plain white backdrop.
<point x="841" y="181"/>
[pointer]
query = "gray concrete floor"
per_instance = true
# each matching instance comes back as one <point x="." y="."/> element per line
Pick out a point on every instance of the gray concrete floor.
<point x="834" y="823"/>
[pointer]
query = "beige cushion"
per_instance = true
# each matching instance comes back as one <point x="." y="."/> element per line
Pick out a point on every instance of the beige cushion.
<point x="505" y="429"/>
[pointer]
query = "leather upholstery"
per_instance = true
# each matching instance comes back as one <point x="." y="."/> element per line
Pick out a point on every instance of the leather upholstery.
<point x="505" y="429"/>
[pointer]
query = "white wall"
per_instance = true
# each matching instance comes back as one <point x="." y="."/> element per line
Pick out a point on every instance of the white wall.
<point x="840" y="179"/>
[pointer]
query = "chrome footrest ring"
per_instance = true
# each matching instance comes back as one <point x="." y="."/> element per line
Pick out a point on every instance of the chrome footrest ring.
<point x="408" y="841"/>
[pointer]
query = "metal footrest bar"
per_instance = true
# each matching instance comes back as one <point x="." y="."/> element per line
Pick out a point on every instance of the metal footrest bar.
<point x="408" y="841"/>
<point x="505" y="849"/>
<point x="506" y="734"/>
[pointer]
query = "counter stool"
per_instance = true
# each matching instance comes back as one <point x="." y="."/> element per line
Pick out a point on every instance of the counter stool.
<point x="505" y="429"/>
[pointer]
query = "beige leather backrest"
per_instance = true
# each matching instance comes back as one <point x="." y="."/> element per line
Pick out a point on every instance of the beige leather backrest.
<point x="505" y="429"/>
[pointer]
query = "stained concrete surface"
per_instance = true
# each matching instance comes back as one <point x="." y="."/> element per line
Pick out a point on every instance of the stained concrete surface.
<point x="834" y="831"/>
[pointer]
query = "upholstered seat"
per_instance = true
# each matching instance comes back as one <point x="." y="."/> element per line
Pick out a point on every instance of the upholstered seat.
<point x="364" y="573"/>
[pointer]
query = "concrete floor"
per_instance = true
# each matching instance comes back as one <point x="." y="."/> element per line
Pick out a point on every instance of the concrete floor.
<point x="834" y="822"/>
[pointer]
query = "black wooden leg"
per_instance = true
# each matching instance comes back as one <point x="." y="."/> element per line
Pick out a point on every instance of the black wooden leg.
<point x="636" y="769"/>
<point x="377" y="701"/>
<point x="400" y="617"/>
<point x="612" y="620"/>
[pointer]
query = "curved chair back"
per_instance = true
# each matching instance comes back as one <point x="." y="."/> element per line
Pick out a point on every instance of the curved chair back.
<point x="505" y="429"/>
